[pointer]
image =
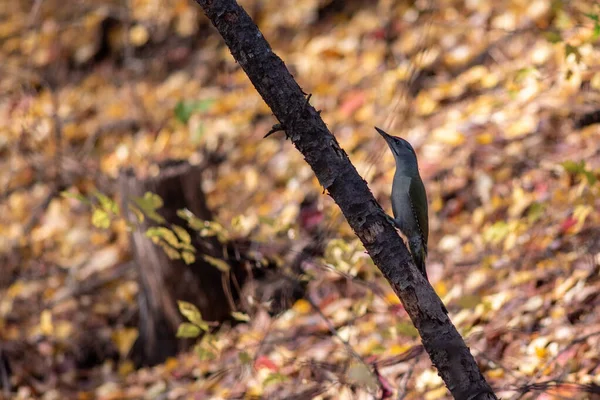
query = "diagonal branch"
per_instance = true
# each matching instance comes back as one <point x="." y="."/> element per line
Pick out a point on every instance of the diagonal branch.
<point x="308" y="132"/>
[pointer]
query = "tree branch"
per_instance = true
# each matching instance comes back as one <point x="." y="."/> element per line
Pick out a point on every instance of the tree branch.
<point x="339" y="178"/>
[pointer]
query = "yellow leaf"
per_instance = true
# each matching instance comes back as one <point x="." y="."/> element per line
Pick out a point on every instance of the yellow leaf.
<point x="240" y="316"/>
<point x="397" y="349"/>
<point x="541" y="352"/>
<point x="171" y="364"/>
<point x="190" y="311"/>
<point x="100" y="219"/>
<point x="495" y="373"/>
<point x="392" y="298"/>
<point x="164" y="233"/>
<point x="63" y="329"/>
<point x="169" y="251"/>
<point x="450" y="137"/>
<point x="183" y="235"/>
<point x="217" y="263"/>
<point x="125" y="368"/>
<point x="302" y="306"/>
<point x="123" y="338"/>
<point x="485" y="138"/>
<point x="188" y="257"/>
<point x="138" y="35"/>
<point x="438" y="393"/>
<point x="187" y="330"/>
<point x="441" y="288"/>
<point x="46" y="325"/>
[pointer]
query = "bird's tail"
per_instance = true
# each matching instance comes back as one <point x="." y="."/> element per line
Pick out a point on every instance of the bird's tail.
<point x="419" y="253"/>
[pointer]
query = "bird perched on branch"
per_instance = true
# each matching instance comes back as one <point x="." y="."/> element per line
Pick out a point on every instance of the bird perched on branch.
<point x="409" y="199"/>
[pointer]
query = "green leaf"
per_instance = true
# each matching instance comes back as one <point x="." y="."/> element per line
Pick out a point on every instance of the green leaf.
<point x="191" y="312"/>
<point x="593" y="17"/>
<point x="197" y="135"/>
<point x="204" y="354"/>
<point x="240" y="316"/>
<point x="185" y="109"/>
<point x="244" y="357"/>
<point x="573" y="167"/>
<point x="407" y="329"/>
<point x="183" y="235"/>
<point x="188" y="257"/>
<point x="497" y="232"/>
<point x="169" y="251"/>
<point x="109" y="205"/>
<point x="469" y="301"/>
<point x="217" y="263"/>
<point x="193" y="222"/>
<point x="275" y="377"/>
<point x="187" y="330"/>
<point x="100" y="219"/>
<point x="535" y="212"/>
<point x="553" y="37"/>
<point x="137" y="212"/>
<point x="149" y="204"/>
<point x="164" y="233"/>
<point x="70" y="195"/>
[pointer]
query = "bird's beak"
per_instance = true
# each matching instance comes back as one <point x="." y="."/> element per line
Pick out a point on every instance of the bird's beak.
<point x="387" y="137"/>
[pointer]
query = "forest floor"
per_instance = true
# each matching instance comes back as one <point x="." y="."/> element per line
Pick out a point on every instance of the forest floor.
<point x="498" y="99"/>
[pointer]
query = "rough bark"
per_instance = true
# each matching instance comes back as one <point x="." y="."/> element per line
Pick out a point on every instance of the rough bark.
<point x="339" y="178"/>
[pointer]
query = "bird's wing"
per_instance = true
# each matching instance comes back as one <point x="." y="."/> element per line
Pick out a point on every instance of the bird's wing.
<point x="417" y="194"/>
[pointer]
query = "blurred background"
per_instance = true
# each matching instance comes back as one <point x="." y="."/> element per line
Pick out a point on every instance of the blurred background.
<point x="134" y="175"/>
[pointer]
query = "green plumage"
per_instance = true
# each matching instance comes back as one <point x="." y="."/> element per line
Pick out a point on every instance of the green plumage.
<point x="409" y="199"/>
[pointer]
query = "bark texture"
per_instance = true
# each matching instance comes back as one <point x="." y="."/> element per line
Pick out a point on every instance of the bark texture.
<point x="339" y="178"/>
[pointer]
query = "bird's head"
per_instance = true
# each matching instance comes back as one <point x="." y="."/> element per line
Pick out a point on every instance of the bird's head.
<point x="401" y="148"/>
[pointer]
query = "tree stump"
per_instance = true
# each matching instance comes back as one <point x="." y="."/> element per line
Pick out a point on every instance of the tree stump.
<point x="164" y="281"/>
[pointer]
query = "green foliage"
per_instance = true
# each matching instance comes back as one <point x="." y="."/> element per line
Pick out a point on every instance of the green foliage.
<point x="407" y="329"/>
<point x="596" y="19"/>
<point x="174" y="242"/>
<point x="240" y="316"/>
<point x="77" y="196"/>
<point x="204" y="228"/>
<point x="275" y="377"/>
<point x="148" y="206"/>
<point x="579" y="168"/>
<point x="196" y="324"/>
<point x="344" y="255"/>
<point x="244" y="357"/>
<point x="104" y="209"/>
<point x="217" y="263"/>
<point x="535" y="212"/>
<point x="185" y="109"/>
<point x="497" y="232"/>
<point x="187" y="330"/>
<point x="207" y="349"/>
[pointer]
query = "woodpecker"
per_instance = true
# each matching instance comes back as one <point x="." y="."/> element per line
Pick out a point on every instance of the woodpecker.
<point x="409" y="199"/>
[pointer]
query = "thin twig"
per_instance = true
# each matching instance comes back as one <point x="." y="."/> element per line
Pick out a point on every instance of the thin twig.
<point x="402" y="391"/>
<point x="39" y="210"/>
<point x="335" y="333"/>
